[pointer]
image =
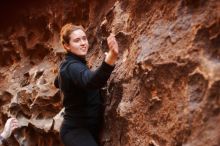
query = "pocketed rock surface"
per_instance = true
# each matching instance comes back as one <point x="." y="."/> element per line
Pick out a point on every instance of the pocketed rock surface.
<point x="164" y="91"/>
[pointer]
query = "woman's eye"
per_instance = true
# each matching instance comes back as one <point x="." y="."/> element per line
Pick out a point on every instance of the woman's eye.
<point x="84" y="38"/>
<point x="76" y="40"/>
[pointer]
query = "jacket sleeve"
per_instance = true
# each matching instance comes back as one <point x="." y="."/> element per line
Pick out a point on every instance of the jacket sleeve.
<point x="87" y="79"/>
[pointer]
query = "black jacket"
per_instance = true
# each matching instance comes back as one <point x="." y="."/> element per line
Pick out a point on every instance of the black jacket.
<point x="81" y="89"/>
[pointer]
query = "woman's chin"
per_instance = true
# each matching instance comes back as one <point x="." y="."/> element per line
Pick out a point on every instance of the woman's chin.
<point x="84" y="53"/>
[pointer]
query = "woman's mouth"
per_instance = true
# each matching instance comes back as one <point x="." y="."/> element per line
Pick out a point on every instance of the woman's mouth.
<point x="83" y="49"/>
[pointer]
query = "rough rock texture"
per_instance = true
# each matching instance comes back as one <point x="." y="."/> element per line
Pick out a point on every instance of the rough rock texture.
<point x="164" y="91"/>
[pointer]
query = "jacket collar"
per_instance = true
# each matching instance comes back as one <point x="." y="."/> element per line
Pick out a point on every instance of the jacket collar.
<point x="71" y="56"/>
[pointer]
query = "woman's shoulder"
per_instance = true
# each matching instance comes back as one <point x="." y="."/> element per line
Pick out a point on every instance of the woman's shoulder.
<point x="69" y="68"/>
<point x="66" y="63"/>
<point x="73" y="66"/>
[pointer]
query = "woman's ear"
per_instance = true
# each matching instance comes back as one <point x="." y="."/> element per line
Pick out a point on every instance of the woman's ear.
<point x="66" y="47"/>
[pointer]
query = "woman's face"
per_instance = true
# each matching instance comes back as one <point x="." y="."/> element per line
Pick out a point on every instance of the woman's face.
<point x="78" y="43"/>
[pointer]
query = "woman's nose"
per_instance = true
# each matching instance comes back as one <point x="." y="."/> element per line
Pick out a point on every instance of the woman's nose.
<point x="82" y="42"/>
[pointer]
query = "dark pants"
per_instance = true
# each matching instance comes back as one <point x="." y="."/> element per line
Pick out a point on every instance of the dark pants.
<point x="79" y="136"/>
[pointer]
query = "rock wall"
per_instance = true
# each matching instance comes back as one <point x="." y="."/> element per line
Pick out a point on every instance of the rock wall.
<point x="164" y="90"/>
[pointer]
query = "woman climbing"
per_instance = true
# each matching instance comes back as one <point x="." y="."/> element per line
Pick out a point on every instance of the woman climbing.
<point x="81" y="87"/>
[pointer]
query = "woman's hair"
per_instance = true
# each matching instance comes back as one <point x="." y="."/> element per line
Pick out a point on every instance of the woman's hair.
<point x="66" y="30"/>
